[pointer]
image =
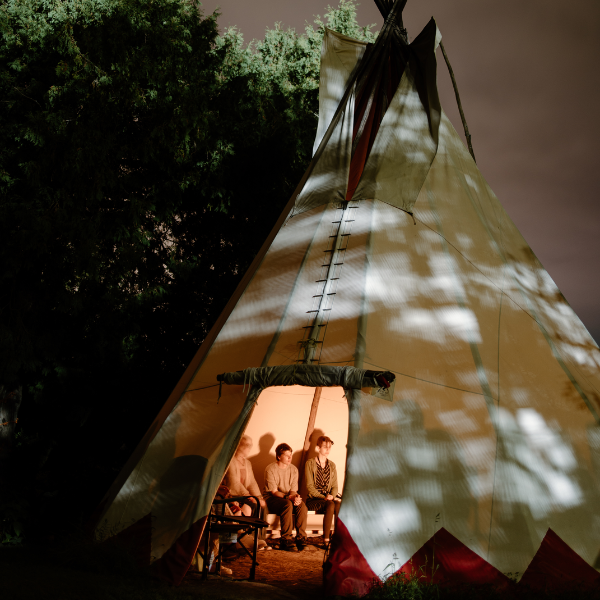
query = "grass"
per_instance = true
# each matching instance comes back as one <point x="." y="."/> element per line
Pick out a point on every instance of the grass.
<point x="415" y="588"/>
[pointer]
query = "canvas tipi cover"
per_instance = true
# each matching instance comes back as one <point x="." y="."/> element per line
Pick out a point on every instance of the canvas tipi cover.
<point x="394" y="254"/>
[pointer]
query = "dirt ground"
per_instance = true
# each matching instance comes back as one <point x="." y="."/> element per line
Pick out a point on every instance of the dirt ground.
<point x="297" y="574"/>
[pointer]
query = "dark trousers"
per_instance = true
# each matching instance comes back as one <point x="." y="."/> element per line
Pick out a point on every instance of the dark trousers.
<point x="287" y="511"/>
<point x="329" y="508"/>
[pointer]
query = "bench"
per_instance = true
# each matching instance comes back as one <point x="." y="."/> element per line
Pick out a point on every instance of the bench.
<point x="314" y="525"/>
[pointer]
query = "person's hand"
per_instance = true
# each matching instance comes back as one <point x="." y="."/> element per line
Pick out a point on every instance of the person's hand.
<point x="297" y="500"/>
<point x="262" y="502"/>
<point x="329" y="497"/>
<point x="253" y="500"/>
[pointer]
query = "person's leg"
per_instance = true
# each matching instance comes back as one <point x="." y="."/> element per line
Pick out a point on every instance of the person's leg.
<point x="286" y="516"/>
<point x="301" y="513"/>
<point x="328" y="520"/>
<point x="285" y="509"/>
<point x="262" y="541"/>
<point x="315" y="504"/>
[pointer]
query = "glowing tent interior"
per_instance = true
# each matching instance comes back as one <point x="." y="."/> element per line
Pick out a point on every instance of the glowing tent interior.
<point x="394" y="254"/>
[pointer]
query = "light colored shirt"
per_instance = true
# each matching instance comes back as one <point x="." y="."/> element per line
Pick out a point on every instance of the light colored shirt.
<point x="282" y="480"/>
<point x="233" y="480"/>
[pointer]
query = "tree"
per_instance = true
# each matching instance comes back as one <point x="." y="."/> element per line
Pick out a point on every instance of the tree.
<point x="143" y="160"/>
<point x="107" y="122"/>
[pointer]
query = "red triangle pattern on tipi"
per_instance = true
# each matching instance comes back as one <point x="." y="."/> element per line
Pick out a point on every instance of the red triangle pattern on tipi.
<point x="556" y="565"/>
<point x="175" y="562"/>
<point x="346" y="571"/>
<point x="442" y="559"/>
<point x="446" y="560"/>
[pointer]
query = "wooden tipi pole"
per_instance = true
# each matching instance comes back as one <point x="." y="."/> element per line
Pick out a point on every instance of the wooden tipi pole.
<point x="309" y="431"/>
<point x="460" y="108"/>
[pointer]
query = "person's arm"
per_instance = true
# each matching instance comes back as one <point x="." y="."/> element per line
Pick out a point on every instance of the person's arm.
<point x="251" y="480"/>
<point x="252" y="485"/>
<point x="295" y="497"/>
<point x="272" y="483"/>
<point x="293" y="480"/>
<point x="233" y="481"/>
<point x="309" y="473"/>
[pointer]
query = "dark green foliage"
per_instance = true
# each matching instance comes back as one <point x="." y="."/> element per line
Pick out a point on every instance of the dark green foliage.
<point x="143" y="160"/>
<point x="107" y="124"/>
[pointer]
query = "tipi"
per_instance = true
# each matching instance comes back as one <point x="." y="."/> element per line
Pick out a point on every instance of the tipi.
<point x="393" y="255"/>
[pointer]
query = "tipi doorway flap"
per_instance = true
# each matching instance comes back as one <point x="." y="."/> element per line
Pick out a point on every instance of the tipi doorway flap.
<point x="310" y="376"/>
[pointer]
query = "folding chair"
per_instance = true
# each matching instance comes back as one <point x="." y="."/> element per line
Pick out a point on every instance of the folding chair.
<point x="222" y="523"/>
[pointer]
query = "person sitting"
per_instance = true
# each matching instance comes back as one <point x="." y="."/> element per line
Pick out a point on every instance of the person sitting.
<point x="283" y="499"/>
<point x="322" y="485"/>
<point x="240" y="477"/>
<point x="241" y="482"/>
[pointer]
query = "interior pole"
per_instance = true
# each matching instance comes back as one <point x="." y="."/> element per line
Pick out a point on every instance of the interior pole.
<point x="460" y="108"/>
<point x="309" y="430"/>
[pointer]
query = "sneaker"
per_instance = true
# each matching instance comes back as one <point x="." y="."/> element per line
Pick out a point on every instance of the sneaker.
<point x="301" y="543"/>
<point x="288" y="545"/>
<point x="224" y="570"/>
<point x="262" y="545"/>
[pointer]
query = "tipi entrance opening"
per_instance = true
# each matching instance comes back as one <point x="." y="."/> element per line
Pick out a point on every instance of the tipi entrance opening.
<point x="282" y="414"/>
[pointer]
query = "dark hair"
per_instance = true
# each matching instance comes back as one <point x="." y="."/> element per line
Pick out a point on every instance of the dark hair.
<point x="323" y="439"/>
<point x="281" y="449"/>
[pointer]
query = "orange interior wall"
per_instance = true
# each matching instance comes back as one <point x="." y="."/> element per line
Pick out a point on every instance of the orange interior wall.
<point x="281" y="415"/>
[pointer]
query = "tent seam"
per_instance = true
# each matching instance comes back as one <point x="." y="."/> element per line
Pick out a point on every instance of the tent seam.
<point x="498" y="431"/>
<point x="549" y="341"/>
<point x="463" y="303"/>
<point x="427" y="380"/>
<point x="479" y="270"/>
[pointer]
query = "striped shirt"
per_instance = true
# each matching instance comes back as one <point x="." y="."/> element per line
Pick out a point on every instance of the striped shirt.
<point x="322" y="477"/>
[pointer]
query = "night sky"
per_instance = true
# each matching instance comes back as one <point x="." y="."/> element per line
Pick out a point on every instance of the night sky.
<point x="529" y="81"/>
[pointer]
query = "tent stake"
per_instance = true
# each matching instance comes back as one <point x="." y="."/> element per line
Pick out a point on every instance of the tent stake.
<point x="462" y="114"/>
<point x="309" y="430"/>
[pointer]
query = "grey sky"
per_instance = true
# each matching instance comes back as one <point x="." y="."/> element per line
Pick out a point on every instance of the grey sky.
<point x="530" y="88"/>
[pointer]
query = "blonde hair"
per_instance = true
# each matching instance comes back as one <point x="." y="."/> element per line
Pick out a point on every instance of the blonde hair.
<point x="245" y="440"/>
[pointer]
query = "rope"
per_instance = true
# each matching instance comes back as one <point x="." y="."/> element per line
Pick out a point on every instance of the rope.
<point x="460" y="108"/>
<point x="450" y="387"/>
<point x="201" y="388"/>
